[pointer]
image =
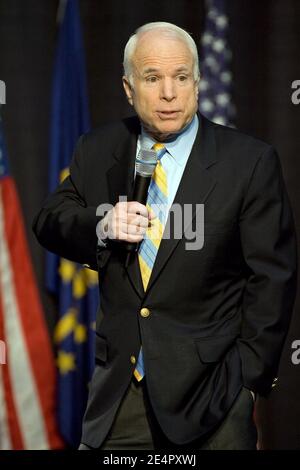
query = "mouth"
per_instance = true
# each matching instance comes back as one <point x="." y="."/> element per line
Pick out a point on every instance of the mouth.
<point x="168" y="114"/>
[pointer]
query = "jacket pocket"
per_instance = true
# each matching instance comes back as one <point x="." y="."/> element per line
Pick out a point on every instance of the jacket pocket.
<point x="213" y="348"/>
<point x="100" y="349"/>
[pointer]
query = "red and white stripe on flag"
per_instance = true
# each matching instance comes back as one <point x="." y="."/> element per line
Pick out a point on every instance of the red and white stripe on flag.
<point x="27" y="380"/>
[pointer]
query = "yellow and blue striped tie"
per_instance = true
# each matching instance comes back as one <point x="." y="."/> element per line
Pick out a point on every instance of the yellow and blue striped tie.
<point x="157" y="201"/>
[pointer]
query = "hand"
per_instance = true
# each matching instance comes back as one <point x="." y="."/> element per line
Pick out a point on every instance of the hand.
<point x="126" y="221"/>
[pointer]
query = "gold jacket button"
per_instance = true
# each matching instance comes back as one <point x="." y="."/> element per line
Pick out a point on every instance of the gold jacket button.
<point x="132" y="359"/>
<point x="145" y="312"/>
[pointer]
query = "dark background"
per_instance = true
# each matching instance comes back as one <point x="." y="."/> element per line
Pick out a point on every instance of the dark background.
<point x="265" y="41"/>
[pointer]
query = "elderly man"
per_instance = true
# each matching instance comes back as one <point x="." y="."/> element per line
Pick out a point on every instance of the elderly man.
<point x="185" y="337"/>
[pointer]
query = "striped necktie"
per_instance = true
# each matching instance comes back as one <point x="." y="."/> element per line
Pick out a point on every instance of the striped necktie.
<point x="157" y="201"/>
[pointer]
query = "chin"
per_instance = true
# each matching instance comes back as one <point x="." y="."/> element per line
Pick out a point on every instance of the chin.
<point x="169" y="129"/>
<point x="161" y="130"/>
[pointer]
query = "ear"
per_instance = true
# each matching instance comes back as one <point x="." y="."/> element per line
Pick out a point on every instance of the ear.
<point x="197" y="86"/>
<point x="128" y="89"/>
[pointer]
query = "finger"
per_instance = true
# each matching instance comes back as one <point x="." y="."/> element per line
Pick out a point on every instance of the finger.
<point x="138" y="220"/>
<point x="119" y="230"/>
<point x="136" y="230"/>
<point x="132" y="219"/>
<point x="122" y="231"/>
<point x="134" y="207"/>
<point x="151" y="214"/>
<point x="121" y="207"/>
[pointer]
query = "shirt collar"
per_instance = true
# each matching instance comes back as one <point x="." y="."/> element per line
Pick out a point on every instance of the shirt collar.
<point x="178" y="147"/>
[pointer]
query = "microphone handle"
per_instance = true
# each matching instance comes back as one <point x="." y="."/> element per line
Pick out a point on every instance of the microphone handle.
<point x="140" y="194"/>
<point x="141" y="186"/>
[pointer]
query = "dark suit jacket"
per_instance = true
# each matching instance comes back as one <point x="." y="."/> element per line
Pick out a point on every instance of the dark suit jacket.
<point x="218" y="315"/>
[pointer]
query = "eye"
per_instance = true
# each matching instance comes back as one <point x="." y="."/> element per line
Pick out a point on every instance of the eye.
<point x="152" y="79"/>
<point x="182" y="78"/>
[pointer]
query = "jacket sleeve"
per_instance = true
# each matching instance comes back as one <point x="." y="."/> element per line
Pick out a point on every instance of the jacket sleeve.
<point x="66" y="225"/>
<point x="269" y="247"/>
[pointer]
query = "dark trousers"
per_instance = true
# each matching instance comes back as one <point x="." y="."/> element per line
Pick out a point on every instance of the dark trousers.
<point x="135" y="426"/>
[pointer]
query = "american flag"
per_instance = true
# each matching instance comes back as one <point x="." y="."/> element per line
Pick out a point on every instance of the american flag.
<point x="27" y="372"/>
<point x="215" y="100"/>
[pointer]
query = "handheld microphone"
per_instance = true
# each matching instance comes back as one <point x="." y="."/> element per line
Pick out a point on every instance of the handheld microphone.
<point x="144" y="167"/>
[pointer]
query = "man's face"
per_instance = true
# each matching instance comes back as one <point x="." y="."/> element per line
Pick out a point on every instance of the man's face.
<point x="164" y="92"/>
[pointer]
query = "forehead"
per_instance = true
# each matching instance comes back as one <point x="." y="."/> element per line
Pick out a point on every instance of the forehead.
<point x="158" y="50"/>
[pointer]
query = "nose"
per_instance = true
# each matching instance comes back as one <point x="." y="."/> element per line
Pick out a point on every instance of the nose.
<point x="168" y="89"/>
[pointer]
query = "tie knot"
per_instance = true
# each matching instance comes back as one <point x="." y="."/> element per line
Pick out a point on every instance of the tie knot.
<point x="160" y="150"/>
<point x="158" y="146"/>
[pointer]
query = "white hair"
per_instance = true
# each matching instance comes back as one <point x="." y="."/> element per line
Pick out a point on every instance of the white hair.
<point x="170" y="30"/>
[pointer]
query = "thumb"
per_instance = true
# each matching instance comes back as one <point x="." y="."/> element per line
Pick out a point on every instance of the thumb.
<point x="151" y="214"/>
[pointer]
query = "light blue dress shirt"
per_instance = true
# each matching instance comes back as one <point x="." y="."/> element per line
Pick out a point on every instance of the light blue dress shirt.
<point x="175" y="159"/>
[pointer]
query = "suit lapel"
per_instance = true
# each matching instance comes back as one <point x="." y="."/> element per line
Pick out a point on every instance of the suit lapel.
<point x="120" y="180"/>
<point x="195" y="187"/>
<point x="120" y="176"/>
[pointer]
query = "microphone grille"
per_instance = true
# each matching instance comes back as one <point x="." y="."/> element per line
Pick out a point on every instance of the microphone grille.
<point x="145" y="162"/>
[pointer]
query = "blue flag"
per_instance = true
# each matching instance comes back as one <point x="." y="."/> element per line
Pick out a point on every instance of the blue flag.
<point x="215" y="100"/>
<point x="75" y="287"/>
